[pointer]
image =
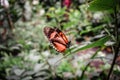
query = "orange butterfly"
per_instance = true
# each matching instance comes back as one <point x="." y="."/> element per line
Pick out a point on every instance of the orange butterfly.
<point x="57" y="38"/>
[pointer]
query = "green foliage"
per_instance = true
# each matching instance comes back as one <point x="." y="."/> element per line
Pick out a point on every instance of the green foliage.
<point x="65" y="67"/>
<point x="32" y="60"/>
<point x="92" y="29"/>
<point x="9" y="61"/>
<point x="101" y="5"/>
<point x="98" y="43"/>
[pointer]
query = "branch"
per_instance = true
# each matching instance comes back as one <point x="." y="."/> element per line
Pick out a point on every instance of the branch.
<point x="116" y="48"/>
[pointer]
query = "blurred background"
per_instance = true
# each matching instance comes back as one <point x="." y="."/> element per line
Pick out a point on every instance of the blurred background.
<point x="26" y="54"/>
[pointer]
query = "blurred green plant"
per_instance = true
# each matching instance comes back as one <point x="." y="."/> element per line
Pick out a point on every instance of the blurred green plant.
<point x="91" y="29"/>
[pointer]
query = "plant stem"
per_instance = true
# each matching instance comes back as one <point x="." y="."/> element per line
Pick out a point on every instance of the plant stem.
<point x="53" y="73"/>
<point x="9" y="19"/>
<point x="116" y="48"/>
<point x="93" y="56"/>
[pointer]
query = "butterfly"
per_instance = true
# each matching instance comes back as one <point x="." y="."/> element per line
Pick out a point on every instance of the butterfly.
<point x="57" y="38"/>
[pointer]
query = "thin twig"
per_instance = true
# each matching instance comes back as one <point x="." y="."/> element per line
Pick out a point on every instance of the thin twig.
<point x="53" y="73"/>
<point x="6" y="8"/>
<point x="9" y="20"/>
<point x="116" y="48"/>
<point x="64" y="56"/>
<point x="83" y="72"/>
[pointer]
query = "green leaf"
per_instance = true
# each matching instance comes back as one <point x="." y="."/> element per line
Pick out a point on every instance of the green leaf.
<point x="93" y="29"/>
<point x="101" y="5"/>
<point x="97" y="43"/>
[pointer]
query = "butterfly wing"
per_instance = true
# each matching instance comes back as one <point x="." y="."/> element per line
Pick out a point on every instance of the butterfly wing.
<point x="49" y="32"/>
<point x="57" y="38"/>
<point x="62" y="35"/>
<point x="59" y="47"/>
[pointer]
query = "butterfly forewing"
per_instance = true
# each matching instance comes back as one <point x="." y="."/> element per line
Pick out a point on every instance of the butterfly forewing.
<point x="62" y="35"/>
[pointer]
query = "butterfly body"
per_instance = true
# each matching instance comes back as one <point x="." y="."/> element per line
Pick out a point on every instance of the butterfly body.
<point x="57" y="38"/>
